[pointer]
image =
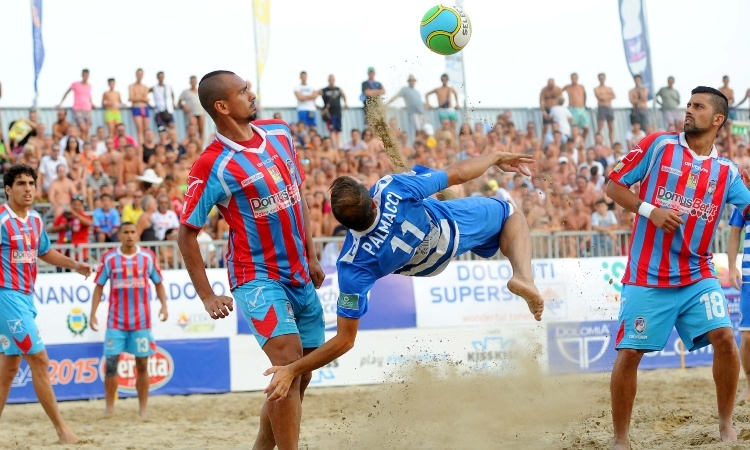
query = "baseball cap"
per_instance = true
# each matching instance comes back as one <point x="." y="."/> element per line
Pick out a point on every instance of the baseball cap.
<point x="411" y="77"/>
<point x="428" y="129"/>
<point x="370" y="69"/>
<point x="562" y="159"/>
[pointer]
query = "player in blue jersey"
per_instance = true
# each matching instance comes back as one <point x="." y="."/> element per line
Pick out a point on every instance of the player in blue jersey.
<point x="396" y="227"/>
<point x="22" y="241"/>
<point x="669" y="280"/>
<point x="741" y="280"/>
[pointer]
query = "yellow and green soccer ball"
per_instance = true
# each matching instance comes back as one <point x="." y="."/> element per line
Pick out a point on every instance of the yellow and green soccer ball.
<point x="445" y="29"/>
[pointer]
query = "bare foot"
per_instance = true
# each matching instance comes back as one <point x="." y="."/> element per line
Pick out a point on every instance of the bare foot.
<point x="621" y="446"/>
<point x="744" y="396"/>
<point x="530" y="293"/>
<point x="142" y="414"/>
<point x="66" y="436"/>
<point x="109" y="412"/>
<point x="727" y="433"/>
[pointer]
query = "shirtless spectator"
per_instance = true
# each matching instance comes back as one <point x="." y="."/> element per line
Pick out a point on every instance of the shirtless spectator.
<point x="591" y="161"/>
<point x="584" y="192"/>
<point x="94" y="183"/>
<point x="192" y="152"/>
<point x="548" y="98"/>
<point x="82" y="102"/>
<point x="61" y="125"/>
<point x="138" y="97"/>
<point x="191" y="135"/>
<point x="61" y="191"/>
<point x="577" y="104"/>
<point x="111" y="102"/>
<point x="729" y="94"/>
<point x="604" y="96"/>
<point x="578" y="218"/>
<point x="191" y="106"/>
<point x="129" y="168"/>
<point x="110" y="159"/>
<point x="638" y="97"/>
<point x="446" y="96"/>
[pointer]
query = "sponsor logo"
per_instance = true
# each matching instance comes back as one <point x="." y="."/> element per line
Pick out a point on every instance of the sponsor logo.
<point x="160" y="370"/>
<point x="582" y="344"/>
<point x="632" y="154"/>
<point x="640" y="325"/>
<point x="65" y="371"/>
<point x="16" y="326"/>
<point x="195" y="323"/>
<point x="16" y="237"/>
<point x="692" y="181"/>
<point x="193" y="183"/>
<point x="267" y="162"/>
<point x="255" y="299"/>
<point x="695" y="167"/>
<point x="695" y="207"/>
<point x="619" y="166"/>
<point x="77" y="321"/>
<point x="711" y="187"/>
<point x="128" y="283"/>
<point x="290" y="166"/>
<point x="251" y="179"/>
<point x="275" y="174"/>
<point x="23" y="256"/>
<point x="491" y="352"/>
<point x="349" y="301"/>
<point x="671" y="170"/>
<point x="275" y="202"/>
<point x="4" y="342"/>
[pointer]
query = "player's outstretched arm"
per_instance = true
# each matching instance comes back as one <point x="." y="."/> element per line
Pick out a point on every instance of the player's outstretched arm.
<point x="217" y="306"/>
<point x="283" y="376"/>
<point x="468" y="169"/>
<point x="57" y="259"/>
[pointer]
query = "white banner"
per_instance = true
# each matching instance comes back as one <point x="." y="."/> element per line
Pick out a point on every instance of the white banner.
<point x="63" y="303"/>
<point x="470" y="293"/>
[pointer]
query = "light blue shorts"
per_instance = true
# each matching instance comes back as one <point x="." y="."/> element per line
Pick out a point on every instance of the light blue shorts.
<point x="139" y="343"/>
<point x="18" y="332"/>
<point x="647" y="315"/>
<point x="275" y="309"/>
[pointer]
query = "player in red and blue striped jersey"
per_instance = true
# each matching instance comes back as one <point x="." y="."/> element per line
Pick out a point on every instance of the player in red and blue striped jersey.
<point x="128" y="268"/>
<point x="252" y="174"/>
<point x="22" y="241"/>
<point x="670" y="280"/>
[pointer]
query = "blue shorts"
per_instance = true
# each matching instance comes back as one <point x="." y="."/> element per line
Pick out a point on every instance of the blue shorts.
<point x="140" y="111"/>
<point x="275" y="309"/>
<point x="480" y="221"/>
<point x="647" y="315"/>
<point x="745" y="307"/>
<point x="335" y="124"/>
<point x="139" y="343"/>
<point x="18" y="332"/>
<point x="306" y="117"/>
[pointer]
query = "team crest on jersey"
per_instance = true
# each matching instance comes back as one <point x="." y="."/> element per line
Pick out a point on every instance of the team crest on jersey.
<point x="290" y="166"/>
<point x="692" y="181"/>
<point x="290" y="310"/>
<point x="275" y="174"/>
<point x="711" y="187"/>
<point x="640" y="325"/>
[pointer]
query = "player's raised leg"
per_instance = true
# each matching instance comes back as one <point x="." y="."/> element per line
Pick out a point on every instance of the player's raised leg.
<point x="39" y="365"/>
<point x="515" y="243"/>
<point x="623" y="386"/>
<point x="726" y="370"/>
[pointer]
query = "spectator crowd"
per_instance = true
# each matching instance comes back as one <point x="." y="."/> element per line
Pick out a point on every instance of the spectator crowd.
<point x="94" y="180"/>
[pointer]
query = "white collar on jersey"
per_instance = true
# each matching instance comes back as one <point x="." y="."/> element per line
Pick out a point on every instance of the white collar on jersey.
<point x="683" y="142"/>
<point x="15" y="216"/>
<point x="238" y="148"/>
<point x="119" y="251"/>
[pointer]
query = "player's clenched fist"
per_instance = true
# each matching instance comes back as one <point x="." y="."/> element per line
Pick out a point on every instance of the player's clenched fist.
<point x="218" y="306"/>
<point x="666" y="219"/>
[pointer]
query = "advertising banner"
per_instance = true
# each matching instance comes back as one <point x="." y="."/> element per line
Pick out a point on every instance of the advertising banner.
<point x="177" y="367"/>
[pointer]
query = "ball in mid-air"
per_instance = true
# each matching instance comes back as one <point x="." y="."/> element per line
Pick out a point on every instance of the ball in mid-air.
<point x="445" y="29"/>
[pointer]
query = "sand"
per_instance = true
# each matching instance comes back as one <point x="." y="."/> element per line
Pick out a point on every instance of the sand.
<point x="674" y="410"/>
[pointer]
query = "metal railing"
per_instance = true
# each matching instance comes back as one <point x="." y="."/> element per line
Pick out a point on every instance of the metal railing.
<point x="544" y="245"/>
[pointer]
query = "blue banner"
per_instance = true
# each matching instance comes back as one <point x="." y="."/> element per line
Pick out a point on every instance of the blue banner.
<point x="36" y="32"/>
<point x="635" y="41"/>
<point x="77" y="371"/>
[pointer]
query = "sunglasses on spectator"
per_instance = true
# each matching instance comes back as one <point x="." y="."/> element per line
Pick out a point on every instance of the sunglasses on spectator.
<point x="78" y="197"/>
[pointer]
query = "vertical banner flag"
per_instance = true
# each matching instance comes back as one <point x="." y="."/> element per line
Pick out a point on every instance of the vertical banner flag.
<point x="635" y="41"/>
<point x="262" y="20"/>
<point x="36" y="31"/>
<point x="454" y="67"/>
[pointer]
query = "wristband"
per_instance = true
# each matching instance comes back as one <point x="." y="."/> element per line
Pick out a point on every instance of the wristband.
<point x="646" y="209"/>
